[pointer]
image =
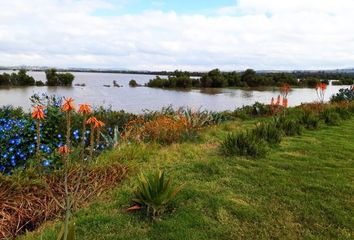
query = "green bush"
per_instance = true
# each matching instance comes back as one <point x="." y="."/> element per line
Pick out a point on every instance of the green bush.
<point x="155" y="193"/>
<point x="268" y="132"/>
<point x="133" y="83"/>
<point x="309" y="120"/>
<point x="343" y="113"/>
<point x="244" y="144"/>
<point x="290" y="127"/>
<point x="331" y="117"/>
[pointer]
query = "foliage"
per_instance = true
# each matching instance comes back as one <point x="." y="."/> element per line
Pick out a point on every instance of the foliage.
<point x="17" y="79"/>
<point x="244" y="143"/>
<point x="133" y="83"/>
<point x="331" y="117"/>
<point x="290" y="127"/>
<point x="58" y="79"/>
<point x="268" y="132"/>
<point x="309" y="120"/>
<point x="345" y="94"/>
<point x="163" y="129"/>
<point x="214" y="78"/>
<point x="154" y="193"/>
<point x="29" y="198"/>
<point x="112" y="141"/>
<point x="177" y="80"/>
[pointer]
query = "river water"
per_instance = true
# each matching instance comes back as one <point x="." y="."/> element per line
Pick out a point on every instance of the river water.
<point x="137" y="99"/>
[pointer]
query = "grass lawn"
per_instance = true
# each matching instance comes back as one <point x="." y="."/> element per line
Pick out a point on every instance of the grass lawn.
<point x="304" y="189"/>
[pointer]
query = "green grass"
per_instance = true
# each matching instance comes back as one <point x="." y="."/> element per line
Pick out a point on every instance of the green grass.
<point x="303" y="189"/>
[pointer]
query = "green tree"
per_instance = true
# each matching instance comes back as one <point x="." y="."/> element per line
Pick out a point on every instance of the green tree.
<point x="65" y="79"/>
<point x="52" y="78"/>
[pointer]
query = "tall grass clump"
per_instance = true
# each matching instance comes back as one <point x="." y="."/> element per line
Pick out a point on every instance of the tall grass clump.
<point x="309" y="120"/>
<point x="331" y="117"/>
<point x="268" y="132"/>
<point x="244" y="143"/>
<point x="290" y="127"/>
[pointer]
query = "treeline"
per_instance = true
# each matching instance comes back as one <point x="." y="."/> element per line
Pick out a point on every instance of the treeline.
<point x="249" y="78"/>
<point x="22" y="79"/>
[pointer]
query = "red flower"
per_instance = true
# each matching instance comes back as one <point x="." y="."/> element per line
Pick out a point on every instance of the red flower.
<point x="38" y="113"/>
<point x="278" y="100"/>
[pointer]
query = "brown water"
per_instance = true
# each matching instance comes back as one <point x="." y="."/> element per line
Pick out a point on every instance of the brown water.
<point x="137" y="99"/>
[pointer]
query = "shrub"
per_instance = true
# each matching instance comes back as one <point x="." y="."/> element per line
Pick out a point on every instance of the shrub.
<point x="154" y="193"/>
<point x="290" y="127"/>
<point x="309" y="120"/>
<point x="345" y="94"/>
<point x="344" y="113"/>
<point x="133" y="83"/>
<point x="331" y="117"/>
<point x="268" y="132"/>
<point x="243" y="144"/>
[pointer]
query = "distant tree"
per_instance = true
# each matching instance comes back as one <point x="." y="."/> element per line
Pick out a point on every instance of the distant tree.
<point x="249" y="77"/>
<point x="23" y="79"/>
<point x="214" y="78"/>
<point x="5" y="79"/>
<point x="52" y="77"/>
<point x="65" y="79"/>
<point x="133" y="83"/>
<point x="39" y="83"/>
<point x="58" y="79"/>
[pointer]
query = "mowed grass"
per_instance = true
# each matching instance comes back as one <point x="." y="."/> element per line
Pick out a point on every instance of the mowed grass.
<point x="303" y="189"/>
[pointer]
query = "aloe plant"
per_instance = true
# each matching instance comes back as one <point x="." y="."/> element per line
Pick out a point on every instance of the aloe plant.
<point x="154" y="193"/>
<point x="112" y="142"/>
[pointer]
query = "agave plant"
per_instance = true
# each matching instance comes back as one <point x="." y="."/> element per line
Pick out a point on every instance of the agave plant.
<point x="154" y="193"/>
<point x="112" y="142"/>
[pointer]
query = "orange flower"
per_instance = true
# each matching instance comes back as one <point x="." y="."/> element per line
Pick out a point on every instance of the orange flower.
<point x="84" y="108"/>
<point x="91" y="120"/>
<point x="321" y="86"/>
<point x="285" y="102"/>
<point x="278" y="100"/>
<point x="285" y="89"/>
<point x="38" y="113"/>
<point x="272" y="102"/>
<point x="63" y="149"/>
<point x="68" y="105"/>
<point x="99" y="124"/>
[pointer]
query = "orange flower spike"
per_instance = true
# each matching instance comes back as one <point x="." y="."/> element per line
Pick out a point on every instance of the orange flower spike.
<point x="63" y="149"/>
<point x="68" y="105"/>
<point x="323" y="86"/>
<point x="99" y="124"/>
<point x="278" y="100"/>
<point x="272" y="102"/>
<point x="285" y="102"/>
<point x="38" y="113"/>
<point x="91" y="120"/>
<point x="85" y="108"/>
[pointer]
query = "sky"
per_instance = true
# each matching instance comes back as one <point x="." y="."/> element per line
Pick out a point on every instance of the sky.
<point x="196" y="35"/>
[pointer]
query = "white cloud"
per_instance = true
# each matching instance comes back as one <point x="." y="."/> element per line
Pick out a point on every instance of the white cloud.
<point x="299" y="34"/>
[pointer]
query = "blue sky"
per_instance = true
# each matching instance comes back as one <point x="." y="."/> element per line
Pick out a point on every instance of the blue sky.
<point x="178" y="34"/>
<point x="207" y="7"/>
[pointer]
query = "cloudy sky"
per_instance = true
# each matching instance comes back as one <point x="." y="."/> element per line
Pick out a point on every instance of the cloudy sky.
<point x="178" y="34"/>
